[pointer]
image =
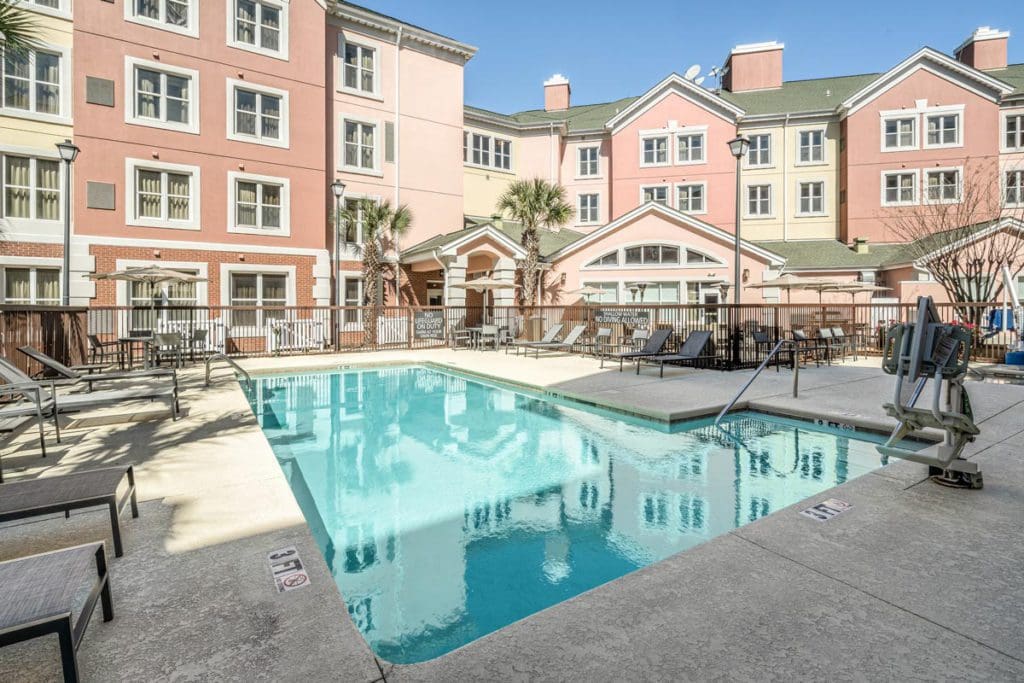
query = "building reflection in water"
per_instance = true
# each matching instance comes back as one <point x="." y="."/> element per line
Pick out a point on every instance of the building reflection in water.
<point x="447" y="508"/>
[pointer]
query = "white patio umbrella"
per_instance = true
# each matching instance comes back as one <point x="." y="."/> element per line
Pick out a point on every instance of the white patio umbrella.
<point x="154" y="275"/>
<point x="485" y="284"/>
<point x="789" y="281"/>
<point x="855" y="288"/>
<point x="587" y="292"/>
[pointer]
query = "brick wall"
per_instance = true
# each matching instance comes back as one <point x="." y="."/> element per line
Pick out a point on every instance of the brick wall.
<point x="32" y="249"/>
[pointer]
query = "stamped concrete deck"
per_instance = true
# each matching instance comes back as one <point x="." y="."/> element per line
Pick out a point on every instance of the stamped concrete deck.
<point x="916" y="581"/>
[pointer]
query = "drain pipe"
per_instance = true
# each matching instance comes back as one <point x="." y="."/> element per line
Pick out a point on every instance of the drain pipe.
<point x="398" y="165"/>
<point x="785" y="181"/>
<point x="444" y="269"/>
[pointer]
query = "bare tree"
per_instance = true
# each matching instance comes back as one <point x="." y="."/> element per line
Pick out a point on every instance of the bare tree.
<point x="965" y="232"/>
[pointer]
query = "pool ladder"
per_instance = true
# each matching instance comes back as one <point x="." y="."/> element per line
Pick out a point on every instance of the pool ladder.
<point x="792" y="343"/>
<point x="238" y="369"/>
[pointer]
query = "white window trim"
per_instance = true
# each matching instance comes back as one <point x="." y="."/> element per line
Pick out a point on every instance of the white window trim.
<point x="669" y="147"/>
<point x="597" y="284"/>
<point x="62" y="12"/>
<point x="343" y="275"/>
<point x="1004" y="185"/>
<point x="901" y="171"/>
<point x="1003" y="116"/>
<point x="376" y="94"/>
<point x="378" y="145"/>
<point x="227" y="269"/>
<point x="702" y="131"/>
<point x="595" y="176"/>
<point x="281" y="53"/>
<point x="682" y="246"/>
<point x="824" y="198"/>
<point x="491" y="153"/>
<point x="352" y="251"/>
<point x="704" y="194"/>
<point x="233" y="83"/>
<point x="900" y="116"/>
<point x="20" y="225"/>
<point x="193" y="19"/>
<point x="66" y="77"/>
<point x="771" y="152"/>
<point x="824" y="146"/>
<point x="746" y="202"/>
<point x="579" y="213"/>
<point x="943" y="145"/>
<point x="959" y="184"/>
<point x="130" y="64"/>
<point x="32" y="264"/>
<point x="668" y="192"/>
<point x="131" y="165"/>
<point x="286" y="204"/>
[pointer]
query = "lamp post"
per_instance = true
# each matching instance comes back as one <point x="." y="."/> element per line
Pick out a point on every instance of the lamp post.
<point x="738" y="146"/>
<point x="338" y="189"/>
<point x="68" y="153"/>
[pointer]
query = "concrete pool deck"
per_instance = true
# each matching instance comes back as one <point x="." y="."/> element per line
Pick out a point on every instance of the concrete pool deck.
<point x="915" y="581"/>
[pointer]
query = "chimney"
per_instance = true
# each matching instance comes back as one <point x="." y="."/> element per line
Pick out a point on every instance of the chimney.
<point x="754" y="66"/>
<point x="984" y="49"/>
<point x="860" y="245"/>
<point x="556" y="93"/>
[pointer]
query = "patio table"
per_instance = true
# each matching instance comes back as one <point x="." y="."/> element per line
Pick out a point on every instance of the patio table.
<point x="126" y="351"/>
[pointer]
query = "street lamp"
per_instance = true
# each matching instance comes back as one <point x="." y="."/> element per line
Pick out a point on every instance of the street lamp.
<point x="338" y="189"/>
<point x="738" y="146"/>
<point x="68" y="153"/>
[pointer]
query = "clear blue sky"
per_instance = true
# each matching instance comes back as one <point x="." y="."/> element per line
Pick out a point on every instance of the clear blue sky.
<point x="607" y="55"/>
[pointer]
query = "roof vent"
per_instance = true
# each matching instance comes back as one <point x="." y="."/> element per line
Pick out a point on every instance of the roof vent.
<point x="860" y="245"/>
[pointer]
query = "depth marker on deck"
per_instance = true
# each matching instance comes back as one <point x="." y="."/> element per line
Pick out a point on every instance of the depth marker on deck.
<point x="826" y="509"/>
<point x="287" y="569"/>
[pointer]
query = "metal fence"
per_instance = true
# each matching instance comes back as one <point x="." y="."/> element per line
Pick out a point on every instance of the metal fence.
<point x="267" y="331"/>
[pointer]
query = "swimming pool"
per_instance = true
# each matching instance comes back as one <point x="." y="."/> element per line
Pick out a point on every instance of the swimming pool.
<point x="448" y="507"/>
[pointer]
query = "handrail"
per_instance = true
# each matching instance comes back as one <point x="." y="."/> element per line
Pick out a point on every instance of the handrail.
<point x="764" y="363"/>
<point x="232" y="363"/>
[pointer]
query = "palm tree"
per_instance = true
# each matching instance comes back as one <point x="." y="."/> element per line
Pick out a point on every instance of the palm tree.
<point x="19" y="30"/>
<point x="535" y="204"/>
<point x="383" y="226"/>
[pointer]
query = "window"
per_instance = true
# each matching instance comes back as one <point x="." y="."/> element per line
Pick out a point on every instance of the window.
<point x="609" y="292"/>
<point x="654" y="193"/>
<point x="465" y="147"/>
<point x="260" y="114"/>
<point x="170" y="15"/>
<point x="759" y="200"/>
<point x="264" y="290"/>
<point x="32" y="81"/>
<point x="690" y="198"/>
<point x="695" y="257"/>
<point x="655" y="510"/>
<point x="31" y="286"/>
<point x="481" y="150"/>
<point x="502" y="154"/>
<point x="1015" y="188"/>
<point x="811" y="149"/>
<point x="359" y="146"/>
<point x="652" y="254"/>
<point x="658" y="293"/>
<point x="655" y="151"/>
<point x="943" y="185"/>
<point x="943" y="130"/>
<point x="588" y="161"/>
<point x="760" y="152"/>
<point x="588" y="208"/>
<point x="149" y="302"/>
<point x="161" y="96"/>
<point x="260" y="26"/>
<point x="31" y="188"/>
<point x="690" y="148"/>
<point x="812" y="198"/>
<point x="899" y="188"/>
<point x="609" y="259"/>
<point x="259" y="204"/>
<point x="162" y="195"/>
<point x="1015" y="131"/>
<point x="352" y="291"/>
<point x="359" y="68"/>
<point x="692" y="513"/>
<point x="900" y="133"/>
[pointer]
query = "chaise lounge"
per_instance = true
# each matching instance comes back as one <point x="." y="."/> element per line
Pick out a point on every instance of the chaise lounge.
<point x="691" y="352"/>
<point x="566" y="344"/>
<point x="652" y="347"/>
<point x="70" y="375"/>
<point x="548" y="338"/>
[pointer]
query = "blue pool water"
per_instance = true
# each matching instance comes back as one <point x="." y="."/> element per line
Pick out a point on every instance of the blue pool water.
<point x="447" y="508"/>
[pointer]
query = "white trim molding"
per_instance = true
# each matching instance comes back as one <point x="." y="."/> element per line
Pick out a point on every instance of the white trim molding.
<point x="284" y="230"/>
<point x="130" y="117"/>
<point x="284" y="121"/>
<point x="343" y="40"/>
<point x="195" y="191"/>
<point x="378" y="144"/>
<point x="283" y="29"/>
<point x="703" y="184"/>
<point x="913" y="172"/>
<point x="192" y="29"/>
<point x="64" y="52"/>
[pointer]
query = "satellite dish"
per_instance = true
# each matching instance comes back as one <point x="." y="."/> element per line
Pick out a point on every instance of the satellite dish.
<point x="699" y="80"/>
<point x="692" y="72"/>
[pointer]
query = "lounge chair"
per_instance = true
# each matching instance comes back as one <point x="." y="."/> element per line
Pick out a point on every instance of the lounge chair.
<point x="42" y="595"/>
<point x="566" y="344"/>
<point x="690" y="352"/>
<point x="11" y="426"/>
<point x="652" y="347"/>
<point x="548" y="337"/>
<point x="72" y="375"/>
<point x="67" y="492"/>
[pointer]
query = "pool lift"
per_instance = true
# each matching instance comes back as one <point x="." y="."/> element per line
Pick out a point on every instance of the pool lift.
<point x="1009" y="318"/>
<point x="919" y="352"/>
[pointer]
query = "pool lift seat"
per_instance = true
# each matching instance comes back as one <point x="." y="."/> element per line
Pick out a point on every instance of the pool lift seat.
<point x="937" y="352"/>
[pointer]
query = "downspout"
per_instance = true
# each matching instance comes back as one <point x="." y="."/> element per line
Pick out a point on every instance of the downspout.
<point x="551" y="152"/>
<point x="444" y="269"/>
<point x="785" y="181"/>
<point x="398" y="166"/>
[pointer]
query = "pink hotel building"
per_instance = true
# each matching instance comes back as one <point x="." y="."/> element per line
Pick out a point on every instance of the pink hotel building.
<point x="211" y="131"/>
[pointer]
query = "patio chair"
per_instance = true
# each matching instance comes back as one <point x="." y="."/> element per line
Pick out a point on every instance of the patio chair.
<point x="548" y="337"/>
<point x="99" y="351"/>
<point x="600" y="342"/>
<point x="198" y="340"/>
<point x="763" y="345"/>
<point x="458" y="335"/>
<point x="691" y="352"/>
<point x="829" y="343"/>
<point x="41" y="595"/>
<point x="636" y="340"/>
<point x="807" y="348"/>
<point x="654" y="345"/>
<point x="71" y="375"/>
<point x="167" y="345"/>
<point x="488" y="336"/>
<point x="566" y="344"/>
<point x="67" y="492"/>
<point x="847" y="344"/>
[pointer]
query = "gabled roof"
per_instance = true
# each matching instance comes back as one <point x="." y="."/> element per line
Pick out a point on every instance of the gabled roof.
<point x="508" y="232"/>
<point x="382" y="22"/>
<point x="831" y="254"/>
<point x="937" y="62"/>
<point x="676" y="84"/>
<point x="668" y="213"/>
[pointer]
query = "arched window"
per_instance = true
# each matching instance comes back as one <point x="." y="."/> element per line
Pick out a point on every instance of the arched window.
<point x="652" y="254"/>
<point x="609" y="259"/>
<point x="694" y="256"/>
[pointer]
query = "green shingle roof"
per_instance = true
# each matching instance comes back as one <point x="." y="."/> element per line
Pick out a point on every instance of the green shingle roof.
<point x="1012" y="75"/>
<point x="550" y="241"/>
<point x="827" y="254"/>
<point x="582" y="117"/>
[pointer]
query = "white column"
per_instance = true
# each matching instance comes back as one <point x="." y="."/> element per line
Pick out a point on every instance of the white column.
<point x="505" y="270"/>
<point x="457" y="275"/>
